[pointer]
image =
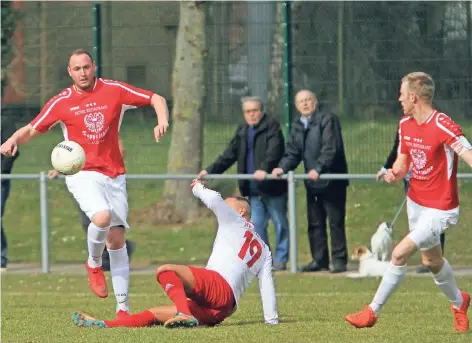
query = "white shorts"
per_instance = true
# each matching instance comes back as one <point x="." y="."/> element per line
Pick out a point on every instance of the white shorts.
<point x="427" y="224"/>
<point x="97" y="192"/>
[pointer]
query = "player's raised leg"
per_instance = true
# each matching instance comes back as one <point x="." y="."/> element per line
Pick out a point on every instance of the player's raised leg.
<point x="444" y="278"/>
<point x="119" y="268"/>
<point x="96" y="239"/>
<point x="87" y="189"/>
<point x="178" y="281"/>
<point x="392" y="278"/>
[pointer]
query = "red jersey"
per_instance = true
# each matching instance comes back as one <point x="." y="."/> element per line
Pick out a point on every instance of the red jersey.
<point x="431" y="148"/>
<point x="93" y="120"/>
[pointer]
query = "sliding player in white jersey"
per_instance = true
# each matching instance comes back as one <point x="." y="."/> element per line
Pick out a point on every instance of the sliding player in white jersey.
<point x="206" y="296"/>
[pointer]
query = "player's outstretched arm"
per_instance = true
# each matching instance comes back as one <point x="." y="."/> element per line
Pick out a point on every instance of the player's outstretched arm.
<point x="467" y="157"/>
<point x="159" y="104"/>
<point x="210" y="198"/>
<point x="267" y="289"/>
<point x="21" y="136"/>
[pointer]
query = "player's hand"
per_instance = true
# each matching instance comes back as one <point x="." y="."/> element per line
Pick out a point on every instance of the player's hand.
<point x="277" y="172"/>
<point x="9" y="148"/>
<point x="391" y="176"/>
<point x="260" y="175"/>
<point x="195" y="181"/>
<point x="52" y="174"/>
<point x="202" y="174"/>
<point x="313" y="175"/>
<point x="160" y="131"/>
<point x="380" y="174"/>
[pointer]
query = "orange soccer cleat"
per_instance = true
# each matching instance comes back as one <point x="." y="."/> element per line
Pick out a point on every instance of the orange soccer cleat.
<point x="461" y="321"/>
<point x="97" y="281"/>
<point x="363" y="319"/>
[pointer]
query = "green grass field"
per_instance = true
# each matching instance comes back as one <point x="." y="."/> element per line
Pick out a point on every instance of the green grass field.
<point x="38" y="309"/>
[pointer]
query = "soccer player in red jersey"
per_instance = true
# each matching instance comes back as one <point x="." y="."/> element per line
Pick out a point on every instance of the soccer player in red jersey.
<point x="90" y="112"/>
<point x="431" y="143"/>
<point x="206" y="296"/>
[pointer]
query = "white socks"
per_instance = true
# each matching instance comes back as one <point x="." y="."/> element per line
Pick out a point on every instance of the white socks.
<point x="392" y="278"/>
<point x="96" y="238"/>
<point x="119" y="268"/>
<point x="446" y="281"/>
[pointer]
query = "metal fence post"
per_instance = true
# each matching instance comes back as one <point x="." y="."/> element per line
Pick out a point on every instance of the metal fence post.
<point x="287" y="64"/>
<point x="97" y="37"/>
<point x="292" y="220"/>
<point x="43" y="200"/>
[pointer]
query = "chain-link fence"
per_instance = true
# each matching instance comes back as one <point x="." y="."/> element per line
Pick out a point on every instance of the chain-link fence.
<point x="351" y="54"/>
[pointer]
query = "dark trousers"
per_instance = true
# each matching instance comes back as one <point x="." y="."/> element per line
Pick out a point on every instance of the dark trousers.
<point x="331" y="206"/>
<point x="5" y="193"/>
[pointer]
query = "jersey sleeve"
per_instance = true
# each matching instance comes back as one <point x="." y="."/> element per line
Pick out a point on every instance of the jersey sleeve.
<point x="50" y="113"/>
<point x="134" y="96"/>
<point x="213" y="200"/>
<point x="451" y="134"/>
<point x="402" y="148"/>
<point x="267" y="290"/>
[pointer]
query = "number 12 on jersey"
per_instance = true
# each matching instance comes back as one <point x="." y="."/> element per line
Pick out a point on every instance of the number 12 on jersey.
<point x="251" y="245"/>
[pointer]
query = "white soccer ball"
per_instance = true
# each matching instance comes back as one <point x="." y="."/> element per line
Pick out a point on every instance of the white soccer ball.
<point x="68" y="157"/>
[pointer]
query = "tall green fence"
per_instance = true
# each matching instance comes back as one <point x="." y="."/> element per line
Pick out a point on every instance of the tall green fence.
<point x="351" y="54"/>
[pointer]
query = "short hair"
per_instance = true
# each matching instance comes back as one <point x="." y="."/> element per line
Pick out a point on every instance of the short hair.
<point x="243" y="199"/>
<point x="421" y="84"/>
<point x="81" y="52"/>
<point x="307" y="90"/>
<point x="252" y="99"/>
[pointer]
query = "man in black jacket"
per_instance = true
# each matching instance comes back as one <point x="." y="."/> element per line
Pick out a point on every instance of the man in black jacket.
<point x="406" y="182"/>
<point x="8" y="128"/>
<point x="257" y="147"/>
<point x="316" y="139"/>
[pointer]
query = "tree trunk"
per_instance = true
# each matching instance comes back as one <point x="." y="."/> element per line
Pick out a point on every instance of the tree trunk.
<point x="188" y="93"/>
<point x="275" y="97"/>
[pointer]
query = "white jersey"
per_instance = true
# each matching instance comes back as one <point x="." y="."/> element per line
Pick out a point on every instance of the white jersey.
<point x="239" y="253"/>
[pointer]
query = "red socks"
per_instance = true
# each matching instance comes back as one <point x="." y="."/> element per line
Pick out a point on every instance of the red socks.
<point x="175" y="290"/>
<point x="145" y="318"/>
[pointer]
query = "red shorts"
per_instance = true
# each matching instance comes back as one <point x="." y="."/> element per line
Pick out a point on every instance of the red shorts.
<point x="212" y="299"/>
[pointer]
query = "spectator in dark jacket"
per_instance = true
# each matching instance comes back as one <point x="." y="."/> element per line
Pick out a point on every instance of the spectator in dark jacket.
<point x="8" y="129"/>
<point x="316" y="139"/>
<point x="406" y="181"/>
<point x="257" y="147"/>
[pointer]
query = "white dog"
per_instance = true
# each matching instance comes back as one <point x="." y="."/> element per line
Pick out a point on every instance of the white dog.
<point x="381" y="242"/>
<point x="369" y="265"/>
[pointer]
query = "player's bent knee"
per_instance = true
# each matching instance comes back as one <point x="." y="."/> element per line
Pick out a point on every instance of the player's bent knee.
<point x="163" y="268"/>
<point x="102" y="218"/>
<point x="432" y="264"/>
<point x="398" y="258"/>
<point x="116" y="238"/>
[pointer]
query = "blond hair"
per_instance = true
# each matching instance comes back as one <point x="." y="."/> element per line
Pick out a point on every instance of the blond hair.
<point x="421" y="84"/>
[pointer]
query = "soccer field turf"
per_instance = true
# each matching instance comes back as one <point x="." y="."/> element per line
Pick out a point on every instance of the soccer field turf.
<point x="38" y="308"/>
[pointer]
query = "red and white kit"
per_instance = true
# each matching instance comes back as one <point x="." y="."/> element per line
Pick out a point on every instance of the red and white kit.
<point x="238" y="255"/>
<point x="433" y="148"/>
<point x="93" y="120"/>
